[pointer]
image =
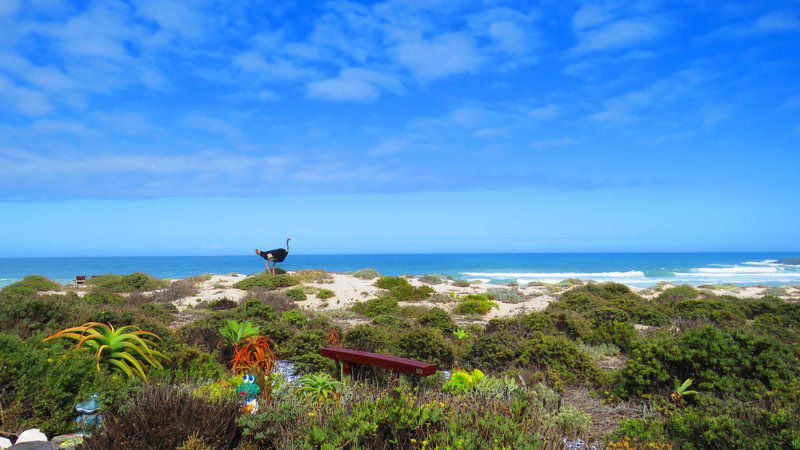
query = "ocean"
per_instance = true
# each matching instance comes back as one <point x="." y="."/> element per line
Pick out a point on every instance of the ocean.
<point x="639" y="269"/>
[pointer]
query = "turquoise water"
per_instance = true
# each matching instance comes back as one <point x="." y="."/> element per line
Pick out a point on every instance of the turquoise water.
<point x="631" y="268"/>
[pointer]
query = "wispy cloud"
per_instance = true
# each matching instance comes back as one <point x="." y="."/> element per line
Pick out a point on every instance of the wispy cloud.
<point x="604" y="27"/>
<point x="553" y="143"/>
<point x="354" y="84"/>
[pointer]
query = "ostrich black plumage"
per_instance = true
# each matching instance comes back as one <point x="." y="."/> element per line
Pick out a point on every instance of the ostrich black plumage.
<point x="274" y="256"/>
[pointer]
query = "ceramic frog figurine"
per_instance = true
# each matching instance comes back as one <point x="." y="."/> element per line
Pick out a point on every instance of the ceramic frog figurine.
<point x="89" y="418"/>
<point x="247" y="392"/>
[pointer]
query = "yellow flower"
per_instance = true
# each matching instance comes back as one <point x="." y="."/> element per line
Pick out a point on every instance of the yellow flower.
<point x="312" y="414"/>
<point x="49" y="360"/>
<point x="413" y="440"/>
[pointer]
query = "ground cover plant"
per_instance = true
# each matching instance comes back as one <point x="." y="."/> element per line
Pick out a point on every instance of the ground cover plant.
<point x="684" y="369"/>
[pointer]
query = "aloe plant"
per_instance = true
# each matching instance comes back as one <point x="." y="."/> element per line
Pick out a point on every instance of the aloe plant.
<point x="237" y="332"/>
<point x="682" y="391"/>
<point x="318" y="386"/>
<point x="129" y="352"/>
<point x="460" y="334"/>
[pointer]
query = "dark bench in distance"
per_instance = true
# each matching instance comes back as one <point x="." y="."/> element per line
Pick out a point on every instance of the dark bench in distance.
<point x="396" y="364"/>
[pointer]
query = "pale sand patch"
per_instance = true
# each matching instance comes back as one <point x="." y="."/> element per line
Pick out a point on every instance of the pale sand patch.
<point x="215" y="288"/>
<point x="347" y="291"/>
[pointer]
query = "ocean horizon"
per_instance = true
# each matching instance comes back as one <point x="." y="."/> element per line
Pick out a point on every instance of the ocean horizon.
<point x="636" y="269"/>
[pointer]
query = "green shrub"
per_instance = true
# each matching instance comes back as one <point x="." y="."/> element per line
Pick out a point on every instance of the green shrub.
<point x="621" y="334"/>
<point x="367" y="274"/>
<point x="678" y="293"/>
<point x="402" y="290"/>
<point x="475" y="304"/>
<point x="101" y="296"/>
<point x="729" y="362"/>
<point x="713" y="310"/>
<point x="387" y="320"/>
<point x="312" y="276"/>
<point x="431" y="279"/>
<point x="368" y="338"/>
<point x="324" y="294"/>
<point x="40" y="385"/>
<point x="461" y="283"/>
<point x="559" y="355"/>
<point x="376" y="306"/>
<point x="505" y="295"/>
<point x="297" y="294"/>
<point x="572" y="421"/>
<point x="295" y="317"/>
<point x="573" y="325"/>
<point x="494" y="352"/>
<point x="30" y="285"/>
<point x="266" y="280"/>
<point x="437" y="318"/>
<point x="426" y="344"/>
<point x="135" y="282"/>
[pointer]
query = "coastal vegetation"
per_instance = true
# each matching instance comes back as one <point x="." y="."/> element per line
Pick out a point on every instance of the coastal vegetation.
<point x="598" y="365"/>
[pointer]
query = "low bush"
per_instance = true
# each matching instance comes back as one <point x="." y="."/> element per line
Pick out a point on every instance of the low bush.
<point x="312" y="276"/>
<point x="324" y="294"/>
<point x="166" y="417"/>
<point x="461" y="283"/>
<point x="426" y="344"/>
<point x="30" y="285"/>
<point x="367" y="274"/>
<point x="402" y="290"/>
<point x="475" y="304"/>
<point x="431" y="279"/>
<point x="678" y="293"/>
<point x="135" y="282"/>
<point x="297" y="294"/>
<point x="437" y="318"/>
<point x="505" y="295"/>
<point x="40" y="385"/>
<point x="367" y="338"/>
<point x="266" y="281"/>
<point x="295" y="317"/>
<point x="728" y="362"/>
<point x="558" y="355"/>
<point x="376" y="306"/>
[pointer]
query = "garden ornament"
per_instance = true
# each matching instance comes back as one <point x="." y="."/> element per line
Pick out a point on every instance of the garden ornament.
<point x="89" y="418"/>
<point x="248" y="391"/>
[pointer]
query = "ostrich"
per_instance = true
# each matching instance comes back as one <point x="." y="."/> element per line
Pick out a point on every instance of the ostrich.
<point x="274" y="256"/>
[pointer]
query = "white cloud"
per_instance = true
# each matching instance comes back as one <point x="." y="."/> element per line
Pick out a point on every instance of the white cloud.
<point x="776" y="22"/>
<point x="447" y="54"/>
<point x="590" y="15"/>
<point x="547" y="112"/>
<point x="619" y="34"/>
<point x="353" y="84"/>
<point x="27" y="101"/>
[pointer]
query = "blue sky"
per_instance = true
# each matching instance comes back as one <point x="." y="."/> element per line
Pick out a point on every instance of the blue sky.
<point x="183" y="127"/>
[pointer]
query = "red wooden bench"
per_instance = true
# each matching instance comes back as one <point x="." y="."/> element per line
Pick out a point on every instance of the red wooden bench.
<point x="80" y="279"/>
<point x="396" y="364"/>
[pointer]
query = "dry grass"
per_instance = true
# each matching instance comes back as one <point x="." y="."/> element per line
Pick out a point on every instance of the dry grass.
<point x="605" y="416"/>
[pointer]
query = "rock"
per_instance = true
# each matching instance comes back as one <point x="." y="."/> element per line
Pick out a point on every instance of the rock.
<point x="4" y="443"/>
<point x="32" y="435"/>
<point x="789" y="261"/>
<point x="68" y="441"/>
<point x="34" y="445"/>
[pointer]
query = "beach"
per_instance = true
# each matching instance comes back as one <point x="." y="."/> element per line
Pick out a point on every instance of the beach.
<point x="348" y="290"/>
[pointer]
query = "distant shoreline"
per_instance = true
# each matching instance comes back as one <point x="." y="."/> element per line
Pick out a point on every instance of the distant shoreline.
<point x="634" y="269"/>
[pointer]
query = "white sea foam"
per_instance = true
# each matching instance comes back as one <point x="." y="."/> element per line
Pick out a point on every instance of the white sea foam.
<point x="543" y="276"/>
<point x="755" y="273"/>
<point x="766" y="262"/>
